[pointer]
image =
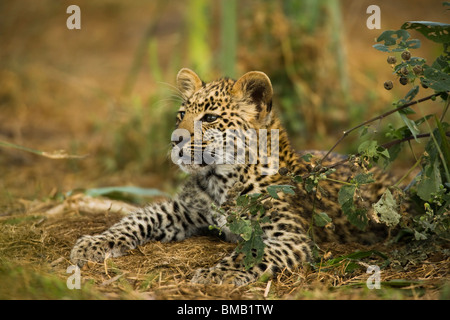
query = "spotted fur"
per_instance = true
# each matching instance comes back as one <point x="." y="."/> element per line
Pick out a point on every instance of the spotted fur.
<point x="229" y="104"/>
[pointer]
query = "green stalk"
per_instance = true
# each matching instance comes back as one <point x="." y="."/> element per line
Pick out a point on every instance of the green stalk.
<point x="445" y="152"/>
<point x="153" y="61"/>
<point x="199" y="50"/>
<point x="228" y="37"/>
<point x="336" y="41"/>
<point x="397" y="184"/>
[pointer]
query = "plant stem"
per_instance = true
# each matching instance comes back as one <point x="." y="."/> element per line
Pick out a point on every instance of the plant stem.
<point x="406" y="105"/>
<point x="394" y="142"/>
<point x="407" y="173"/>
<point x="440" y="152"/>
<point x="339" y="181"/>
<point x="386" y="146"/>
<point x="445" y="109"/>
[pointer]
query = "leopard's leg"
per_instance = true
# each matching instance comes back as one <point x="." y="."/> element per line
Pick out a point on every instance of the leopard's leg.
<point x="168" y="221"/>
<point x="284" y="253"/>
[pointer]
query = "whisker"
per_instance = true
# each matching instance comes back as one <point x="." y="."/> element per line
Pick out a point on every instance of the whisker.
<point x="171" y="86"/>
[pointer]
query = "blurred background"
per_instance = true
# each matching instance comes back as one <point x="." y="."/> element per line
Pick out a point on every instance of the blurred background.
<point x="107" y="90"/>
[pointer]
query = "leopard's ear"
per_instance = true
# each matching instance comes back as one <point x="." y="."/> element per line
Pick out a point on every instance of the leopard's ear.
<point x="255" y="87"/>
<point x="188" y="82"/>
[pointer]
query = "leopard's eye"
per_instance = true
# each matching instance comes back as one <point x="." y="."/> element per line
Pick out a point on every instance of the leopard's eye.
<point x="210" y="117"/>
<point x="181" y="113"/>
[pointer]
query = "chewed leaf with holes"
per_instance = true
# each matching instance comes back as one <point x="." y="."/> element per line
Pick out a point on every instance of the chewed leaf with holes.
<point x="435" y="31"/>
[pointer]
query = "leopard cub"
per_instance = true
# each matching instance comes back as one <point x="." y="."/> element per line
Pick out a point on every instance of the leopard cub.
<point x="207" y="116"/>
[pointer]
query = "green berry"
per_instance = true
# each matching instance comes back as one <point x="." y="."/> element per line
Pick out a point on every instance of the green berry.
<point x="388" y="85"/>
<point x="406" y="55"/>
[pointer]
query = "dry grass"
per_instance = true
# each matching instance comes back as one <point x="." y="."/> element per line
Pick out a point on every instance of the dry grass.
<point x="62" y="89"/>
<point x="35" y="246"/>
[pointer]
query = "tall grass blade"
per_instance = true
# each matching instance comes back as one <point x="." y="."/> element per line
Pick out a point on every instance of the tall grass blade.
<point x="228" y="37"/>
<point x="198" y="39"/>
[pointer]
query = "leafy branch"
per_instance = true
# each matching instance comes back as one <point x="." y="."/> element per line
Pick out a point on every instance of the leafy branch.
<point x="432" y="186"/>
<point x="245" y="216"/>
<point x="380" y="117"/>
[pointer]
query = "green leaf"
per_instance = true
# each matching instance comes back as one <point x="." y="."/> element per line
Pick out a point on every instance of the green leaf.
<point x="253" y="251"/>
<point x="429" y="181"/>
<point x="287" y="189"/>
<point x="254" y="196"/>
<point x="436" y="79"/>
<point x="252" y="247"/>
<point x="307" y="157"/>
<point x="412" y="93"/>
<point x="368" y="148"/>
<point x="413" y="128"/>
<point x="355" y="256"/>
<point x="346" y="194"/>
<point x="321" y="219"/>
<point x="434" y="31"/>
<point x="419" y="235"/>
<point x="444" y="143"/>
<point x="441" y="62"/>
<point x="265" y="220"/>
<point x="116" y="191"/>
<point x="390" y="37"/>
<point x="394" y="151"/>
<point x="381" y="47"/>
<point x="357" y="217"/>
<point x="364" y="178"/>
<point x="310" y="183"/>
<point x="242" y="200"/>
<point x="384" y="153"/>
<point x="273" y="190"/>
<point x="242" y="227"/>
<point x="413" y="44"/>
<point x="254" y="209"/>
<point x="364" y="131"/>
<point x="404" y="131"/>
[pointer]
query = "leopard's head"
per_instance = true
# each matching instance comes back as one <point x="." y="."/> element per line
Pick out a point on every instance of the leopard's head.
<point x="212" y="112"/>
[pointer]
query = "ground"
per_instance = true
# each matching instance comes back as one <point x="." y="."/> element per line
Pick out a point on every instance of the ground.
<point x="36" y="246"/>
<point x="90" y="91"/>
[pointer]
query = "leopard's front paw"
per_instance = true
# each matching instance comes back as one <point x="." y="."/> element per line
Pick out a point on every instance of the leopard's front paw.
<point x="90" y="248"/>
<point x="215" y="275"/>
